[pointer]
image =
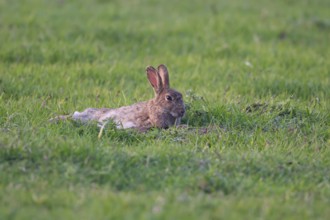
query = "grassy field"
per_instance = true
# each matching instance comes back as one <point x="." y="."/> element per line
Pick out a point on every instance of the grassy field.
<point x="254" y="75"/>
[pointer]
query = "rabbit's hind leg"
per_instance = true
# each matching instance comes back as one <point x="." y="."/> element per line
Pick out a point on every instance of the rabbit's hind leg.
<point x="90" y="114"/>
<point x="60" y="118"/>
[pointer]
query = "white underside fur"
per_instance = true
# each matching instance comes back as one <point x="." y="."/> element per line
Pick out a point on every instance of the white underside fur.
<point x="109" y="116"/>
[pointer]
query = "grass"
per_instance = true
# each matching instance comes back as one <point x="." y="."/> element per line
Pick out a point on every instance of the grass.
<point x="255" y="78"/>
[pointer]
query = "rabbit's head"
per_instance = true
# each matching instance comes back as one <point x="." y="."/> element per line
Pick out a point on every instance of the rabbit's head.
<point x="167" y="101"/>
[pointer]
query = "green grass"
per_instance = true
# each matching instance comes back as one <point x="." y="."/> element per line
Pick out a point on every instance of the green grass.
<point x="255" y="77"/>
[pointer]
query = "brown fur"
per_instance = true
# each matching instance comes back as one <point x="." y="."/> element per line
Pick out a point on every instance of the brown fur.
<point x="164" y="110"/>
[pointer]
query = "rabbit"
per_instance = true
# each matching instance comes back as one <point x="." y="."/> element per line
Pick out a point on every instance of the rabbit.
<point x="164" y="110"/>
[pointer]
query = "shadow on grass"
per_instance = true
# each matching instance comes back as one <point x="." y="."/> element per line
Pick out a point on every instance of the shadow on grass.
<point x="272" y="116"/>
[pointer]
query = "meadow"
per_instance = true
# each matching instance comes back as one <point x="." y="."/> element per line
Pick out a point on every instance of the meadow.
<point x="255" y="79"/>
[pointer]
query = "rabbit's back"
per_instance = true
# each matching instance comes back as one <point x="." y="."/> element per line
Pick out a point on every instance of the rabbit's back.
<point x="132" y="116"/>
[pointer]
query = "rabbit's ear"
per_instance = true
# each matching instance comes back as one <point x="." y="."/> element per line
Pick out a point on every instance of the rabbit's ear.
<point x="163" y="73"/>
<point x="154" y="79"/>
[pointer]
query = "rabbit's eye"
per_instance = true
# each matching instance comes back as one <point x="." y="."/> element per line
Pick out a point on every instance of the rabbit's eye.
<point x="169" y="98"/>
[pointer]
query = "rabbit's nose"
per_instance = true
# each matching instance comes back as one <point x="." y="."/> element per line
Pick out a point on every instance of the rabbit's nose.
<point x="182" y="112"/>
